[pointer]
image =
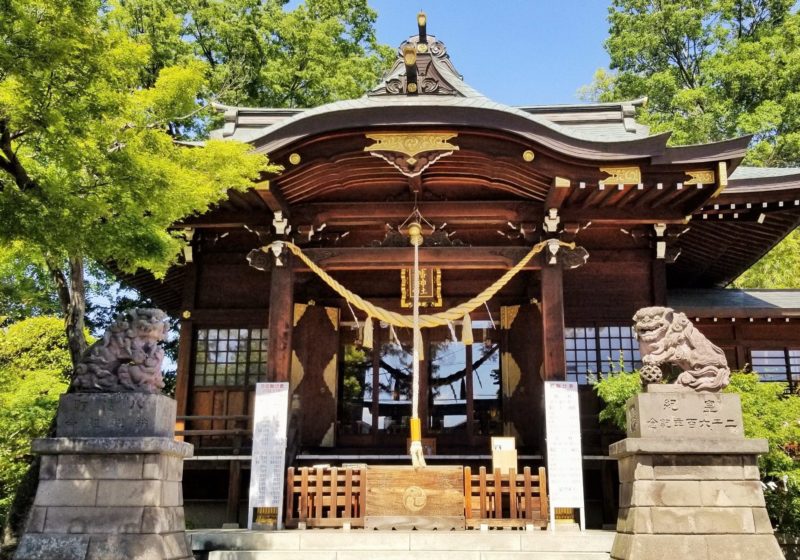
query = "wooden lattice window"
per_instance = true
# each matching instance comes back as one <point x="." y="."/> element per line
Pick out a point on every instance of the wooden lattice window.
<point x="230" y="357"/>
<point x="598" y="349"/>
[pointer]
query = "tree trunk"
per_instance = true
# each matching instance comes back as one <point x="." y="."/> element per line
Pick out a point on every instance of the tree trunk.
<point x="72" y="297"/>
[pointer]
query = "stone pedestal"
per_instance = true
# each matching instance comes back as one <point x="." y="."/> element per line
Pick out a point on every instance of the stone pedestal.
<point x="690" y="486"/>
<point x="105" y="494"/>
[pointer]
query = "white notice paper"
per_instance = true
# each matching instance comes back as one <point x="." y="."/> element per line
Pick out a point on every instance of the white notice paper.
<point x="270" y="422"/>
<point x="564" y="460"/>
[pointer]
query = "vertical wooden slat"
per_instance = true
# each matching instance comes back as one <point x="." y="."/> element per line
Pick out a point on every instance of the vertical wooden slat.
<point x="348" y="494"/>
<point x="318" y="494"/>
<point x="482" y="481"/>
<point x="467" y="493"/>
<point x="289" y="494"/>
<point x="305" y="506"/>
<point x="543" y="508"/>
<point x="498" y="494"/>
<point x="528" y="494"/>
<point x="333" y="512"/>
<point x="512" y="493"/>
<point x="362" y="490"/>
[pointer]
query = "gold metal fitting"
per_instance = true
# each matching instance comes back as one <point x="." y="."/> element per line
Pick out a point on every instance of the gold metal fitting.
<point x="414" y="232"/>
<point x="528" y="155"/>
<point x="294" y="158"/>
<point x="422" y="19"/>
<point x="409" y="55"/>
<point x="412" y="87"/>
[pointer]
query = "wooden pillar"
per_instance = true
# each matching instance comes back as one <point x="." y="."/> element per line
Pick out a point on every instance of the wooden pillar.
<point x="185" y="343"/>
<point x="375" y="410"/>
<point x="468" y="386"/>
<point x="234" y="491"/>
<point x="281" y="322"/>
<point x="555" y="367"/>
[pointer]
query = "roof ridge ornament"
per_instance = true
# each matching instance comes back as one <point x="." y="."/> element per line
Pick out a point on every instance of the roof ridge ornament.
<point x="420" y="68"/>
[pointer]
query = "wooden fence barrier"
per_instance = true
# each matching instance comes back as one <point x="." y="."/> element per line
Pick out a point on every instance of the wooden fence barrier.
<point x="331" y="497"/>
<point x="505" y="500"/>
<point x="325" y="497"/>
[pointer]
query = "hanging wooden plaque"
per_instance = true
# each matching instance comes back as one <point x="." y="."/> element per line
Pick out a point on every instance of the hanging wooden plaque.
<point x="430" y="287"/>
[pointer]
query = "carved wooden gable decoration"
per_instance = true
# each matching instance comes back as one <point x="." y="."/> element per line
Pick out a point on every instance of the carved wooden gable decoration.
<point x="411" y="153"/>
<point x="422" y="67"/>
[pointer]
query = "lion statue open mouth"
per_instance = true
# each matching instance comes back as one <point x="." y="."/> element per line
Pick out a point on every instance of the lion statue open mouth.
<point x="668" y="337"/>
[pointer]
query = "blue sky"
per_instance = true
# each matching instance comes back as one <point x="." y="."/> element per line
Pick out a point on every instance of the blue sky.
<point x="518" y="52"/>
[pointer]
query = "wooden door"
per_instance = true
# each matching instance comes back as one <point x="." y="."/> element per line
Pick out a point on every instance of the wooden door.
<point x="315" y="344"/>
<point x="521" y="367"/>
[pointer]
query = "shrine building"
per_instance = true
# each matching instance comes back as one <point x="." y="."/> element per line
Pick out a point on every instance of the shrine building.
<point x="642" y="224"/>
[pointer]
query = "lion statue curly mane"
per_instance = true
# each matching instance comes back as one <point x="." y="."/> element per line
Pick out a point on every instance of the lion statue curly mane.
<point x="128" y="357"/>
<point x="668" y="337"/>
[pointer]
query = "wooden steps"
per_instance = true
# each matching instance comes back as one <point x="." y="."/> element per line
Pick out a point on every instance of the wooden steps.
<point x="327" y="544"/>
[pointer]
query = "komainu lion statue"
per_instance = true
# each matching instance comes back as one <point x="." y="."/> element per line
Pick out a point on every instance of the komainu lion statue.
<point x="128" y="357"/>
<point x="668" y="337"/>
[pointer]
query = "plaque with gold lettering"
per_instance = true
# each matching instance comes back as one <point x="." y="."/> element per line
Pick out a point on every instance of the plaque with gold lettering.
<point x="430" y="287"/>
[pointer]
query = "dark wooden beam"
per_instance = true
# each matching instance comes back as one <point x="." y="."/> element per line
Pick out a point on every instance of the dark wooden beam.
<point x="623" y="216"/>
<point x="224" y="219"/>
<point x="388" y="258"/>
<point x="555" y="367"/>
<point x="452" y="212"/>
<point x="281" y="323"/>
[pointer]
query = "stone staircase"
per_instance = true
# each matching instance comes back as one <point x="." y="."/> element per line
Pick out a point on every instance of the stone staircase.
<point x="356" y="544"/>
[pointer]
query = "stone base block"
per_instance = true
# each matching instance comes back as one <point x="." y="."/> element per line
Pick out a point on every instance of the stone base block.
<point x="695" y="498"/>
<point x="696" y="547"/>
<point x="115" y="415"/>
<point x="109" y="499"/>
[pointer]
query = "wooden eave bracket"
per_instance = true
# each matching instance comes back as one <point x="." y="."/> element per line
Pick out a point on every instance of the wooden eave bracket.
<point x="272" y="197"/>
<point x="558" y="193"/>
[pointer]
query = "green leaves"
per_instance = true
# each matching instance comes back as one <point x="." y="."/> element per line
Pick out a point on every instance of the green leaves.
<point x="34" y="368"/>
<point x="615" y="389"/>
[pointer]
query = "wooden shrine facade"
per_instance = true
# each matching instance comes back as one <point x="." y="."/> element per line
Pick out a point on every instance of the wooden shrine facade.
<point x="652" y="225"/>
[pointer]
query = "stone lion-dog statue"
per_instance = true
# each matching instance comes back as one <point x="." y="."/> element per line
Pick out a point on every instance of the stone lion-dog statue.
<point x="668" y="337"/>
<point x="128" y="357"/>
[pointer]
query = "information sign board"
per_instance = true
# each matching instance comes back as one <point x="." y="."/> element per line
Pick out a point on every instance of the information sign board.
<point x="564" y="460"/>
<point x="270" y="426"/>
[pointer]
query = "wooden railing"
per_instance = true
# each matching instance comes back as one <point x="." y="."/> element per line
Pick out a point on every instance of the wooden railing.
<point x="333" y="497"/>
<point x="325" y="497"/>
<point x="505" y="500"/>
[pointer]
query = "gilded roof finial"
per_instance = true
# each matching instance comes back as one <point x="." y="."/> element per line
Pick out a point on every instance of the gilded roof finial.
<point x="422" y="23"/>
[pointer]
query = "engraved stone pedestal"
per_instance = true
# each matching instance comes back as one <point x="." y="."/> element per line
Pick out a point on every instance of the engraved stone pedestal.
<point x="689" y="481"/>
<point x="111" y="488"/>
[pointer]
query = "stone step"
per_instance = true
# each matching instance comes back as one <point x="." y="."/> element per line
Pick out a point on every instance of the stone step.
<point x="397" y="555"/>
<point x="397" y="545"/>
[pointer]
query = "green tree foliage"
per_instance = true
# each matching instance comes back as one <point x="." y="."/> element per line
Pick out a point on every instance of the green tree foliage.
<point x="712" y="70"/>
<point x="94" y="95"/>
<point x="778" y="269"/>
<point x="34" y="369"/>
